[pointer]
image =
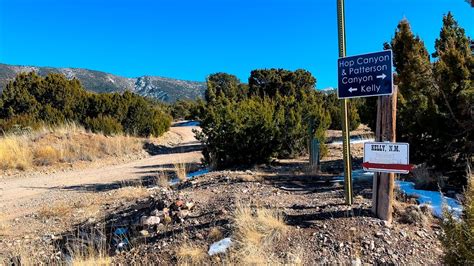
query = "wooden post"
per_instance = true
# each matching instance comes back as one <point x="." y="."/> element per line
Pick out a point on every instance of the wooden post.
<point x="314" y="155"/>
<point x="383" y="183"/>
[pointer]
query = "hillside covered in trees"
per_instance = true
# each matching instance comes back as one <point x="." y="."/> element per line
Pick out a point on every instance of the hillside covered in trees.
<point x="31" y="101"/>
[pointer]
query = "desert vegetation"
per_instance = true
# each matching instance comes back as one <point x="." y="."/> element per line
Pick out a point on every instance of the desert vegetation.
<point x="61" y="145"/>
<point x="31" y="101"/>
<point x="458" y="237"/>
<point x="270" y="117"/>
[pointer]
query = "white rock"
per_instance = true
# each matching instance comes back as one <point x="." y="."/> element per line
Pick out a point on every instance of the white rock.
<point x="150" y="220"/>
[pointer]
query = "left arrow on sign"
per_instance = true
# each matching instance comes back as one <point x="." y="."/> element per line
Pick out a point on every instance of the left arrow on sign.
<point x="352" y="89"/>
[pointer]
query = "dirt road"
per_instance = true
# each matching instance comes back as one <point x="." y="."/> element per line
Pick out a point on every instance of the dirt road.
<point x="20" y="196"/>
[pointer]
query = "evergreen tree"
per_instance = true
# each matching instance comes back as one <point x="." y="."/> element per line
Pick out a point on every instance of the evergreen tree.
<point x="415" y="87"/>
<point x="454" y="74"/>
<point x="30" y="100"/>
<point x="223" y="85"/>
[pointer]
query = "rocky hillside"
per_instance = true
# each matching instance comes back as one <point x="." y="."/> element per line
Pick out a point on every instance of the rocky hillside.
<point x="164" y="89"/>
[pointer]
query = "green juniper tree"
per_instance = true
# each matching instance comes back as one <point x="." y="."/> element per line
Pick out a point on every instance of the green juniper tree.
<point x="454" y="97"/>
<point x="415" y="87"/>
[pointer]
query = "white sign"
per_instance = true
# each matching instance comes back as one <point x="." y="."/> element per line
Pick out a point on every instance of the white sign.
<point x="388" y="157"/>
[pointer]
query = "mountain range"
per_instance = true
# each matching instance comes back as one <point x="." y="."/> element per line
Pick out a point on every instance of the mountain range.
<point x="165" y="89"/>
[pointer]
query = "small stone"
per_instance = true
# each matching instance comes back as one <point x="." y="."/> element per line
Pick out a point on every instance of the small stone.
<point x="222" y="211"/>
<point x="149" y="220"/>
<point x="189" y="205"/>
<point x="179" y="203"/>
<point x="144" y="233"/>
<point x="372" y="245"/>
<point x="402" y="233"/>
<point x="356" y="262"/>
<point x="379" y="234"/>
<point x="419" y="233"/>
<point x="199" y="236"/>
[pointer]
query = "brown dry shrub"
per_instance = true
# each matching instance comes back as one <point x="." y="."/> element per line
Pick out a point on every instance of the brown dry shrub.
<point x="130" y="193"/>
<point x="59" y="210"/>
<point x="46" y="155"/>
<point x="190" y="254"/>
<point x="257" y="232"/>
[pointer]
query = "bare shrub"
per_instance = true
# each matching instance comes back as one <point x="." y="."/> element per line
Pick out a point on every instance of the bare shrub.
<point x="162" y="180"/>
<point x="215" y="234"/>
<point x="257" y="231"/>
<point x="59" y="210"/>
<point x="130" y="193"/>
<point x="190" y="254"/>
<point x="46" y="155"/>
<point x="180" y="170"/>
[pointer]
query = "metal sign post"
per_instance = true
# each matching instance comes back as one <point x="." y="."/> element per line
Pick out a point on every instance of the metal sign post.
<point x="346" y="148"/>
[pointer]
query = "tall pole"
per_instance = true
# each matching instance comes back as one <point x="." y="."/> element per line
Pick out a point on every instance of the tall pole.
<point x="346" y="148"/>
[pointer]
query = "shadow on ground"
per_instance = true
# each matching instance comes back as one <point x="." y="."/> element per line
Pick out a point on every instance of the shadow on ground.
<point x="154" y="149"/>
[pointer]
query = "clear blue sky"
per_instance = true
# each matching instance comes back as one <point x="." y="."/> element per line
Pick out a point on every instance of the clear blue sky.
<point x="191" y="39"/>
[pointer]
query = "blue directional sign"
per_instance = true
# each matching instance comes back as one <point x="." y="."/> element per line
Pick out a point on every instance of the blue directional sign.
<point x="365" y="75"/>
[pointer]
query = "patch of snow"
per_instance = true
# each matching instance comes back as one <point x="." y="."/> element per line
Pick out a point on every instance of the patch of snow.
<point x="220" y="246"/>
<point x="433" y="198"/>
<point x="197" y="173"/>
<point x="352" y="141"/>
<point x="190" y="176"/>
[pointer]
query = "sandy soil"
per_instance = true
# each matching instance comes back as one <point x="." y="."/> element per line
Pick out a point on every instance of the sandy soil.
<point x="20" y="195"/>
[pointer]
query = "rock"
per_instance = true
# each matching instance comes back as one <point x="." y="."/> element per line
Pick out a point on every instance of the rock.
<point x="403" y="234"/>
<point x="144" y="233"/>
<point x="420" y="234"/>
<point x="167" y="219"/>
<point x="353" y="230"/>
<point x="199" y="236"/>
<point x="379" y="234"/>
<point x="183" y="214"/>
<point x="189" y="205"/>
<point x="372" y="245"/>
<point x="222" y="211"/>
<point x="149" y="220"/>
<point x="356" y="262"/>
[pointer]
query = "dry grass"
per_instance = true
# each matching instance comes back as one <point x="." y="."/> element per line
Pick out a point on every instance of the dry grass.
<point x="3" y="225"/>
<point x="15" y="153"/>
<point x="93" y="261"/>
<point x="130" y="193"/>
<point x="215" y="234"/>
<point x="190" y="254"/>
<point x="91" y="255"/>
<point x="162" y="180"/>
<point x="257" y="232"/>
<point x="59" y="210"/>
<point x="46" y="155"/>
<point x="180" y="170"/>
<point x="250" y="178"/>
<point x="65" y="144"/>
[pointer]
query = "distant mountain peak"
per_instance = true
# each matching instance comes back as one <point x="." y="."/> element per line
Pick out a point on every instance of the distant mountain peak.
<point x="161" y="88"/>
